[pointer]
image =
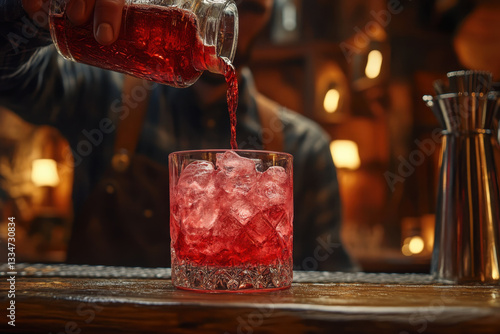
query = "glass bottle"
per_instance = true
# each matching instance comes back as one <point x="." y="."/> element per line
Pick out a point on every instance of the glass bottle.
<point x="167" y="41"/>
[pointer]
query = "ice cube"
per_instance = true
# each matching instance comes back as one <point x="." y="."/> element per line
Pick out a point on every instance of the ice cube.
<point x="242" y="210"/>
<point x="276" y="174"/>
<point x="195" y="193"/>
<point x="197" y="180"/>
<point x="273" y="188"/>
<point x="198" y="172"/>
<point x="230" y="160"/>
<point x="200" y="217"/>
<point x="259" y="165"/>
<point x="236" y="175"/>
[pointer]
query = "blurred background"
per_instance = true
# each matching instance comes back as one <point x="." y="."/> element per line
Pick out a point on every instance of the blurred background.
<point x="358" y="68"/>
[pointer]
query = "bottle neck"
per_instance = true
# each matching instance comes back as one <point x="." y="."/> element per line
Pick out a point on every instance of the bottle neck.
<point x="218" y="28"/>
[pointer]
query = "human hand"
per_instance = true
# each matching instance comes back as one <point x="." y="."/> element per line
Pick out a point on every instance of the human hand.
<point x="106" y="14"/>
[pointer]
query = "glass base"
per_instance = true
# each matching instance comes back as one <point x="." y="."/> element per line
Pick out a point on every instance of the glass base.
<point x="247" y="279"/>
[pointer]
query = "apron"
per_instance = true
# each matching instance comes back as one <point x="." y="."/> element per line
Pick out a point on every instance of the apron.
<point x="125" y="220"/>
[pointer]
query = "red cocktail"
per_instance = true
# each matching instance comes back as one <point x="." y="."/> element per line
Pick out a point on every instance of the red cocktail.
<point x="231" y="218"/>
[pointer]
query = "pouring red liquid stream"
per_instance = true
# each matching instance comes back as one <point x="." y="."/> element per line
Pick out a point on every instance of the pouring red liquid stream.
<point x="232" y="99"/>
<point x="175" y="56"/>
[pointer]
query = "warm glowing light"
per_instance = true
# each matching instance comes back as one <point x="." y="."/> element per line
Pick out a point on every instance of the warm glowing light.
<point x="44" y="173"/>
<point x="416" y="245"/>
<point x="289" y="17"/>
<point x="374" y="64"/>
<point x="413" y="245"/>
<point x="345" y="154"/>
<point x="495" y="273"/>
<point x="406" y="250"/>
<point x="331" y="103"/>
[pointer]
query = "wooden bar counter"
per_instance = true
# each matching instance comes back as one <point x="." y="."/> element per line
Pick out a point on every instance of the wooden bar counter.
<point x="95" y="299"/>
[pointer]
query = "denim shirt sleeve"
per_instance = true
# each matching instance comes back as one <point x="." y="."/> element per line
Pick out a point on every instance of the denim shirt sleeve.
<point x="43" y="88"/>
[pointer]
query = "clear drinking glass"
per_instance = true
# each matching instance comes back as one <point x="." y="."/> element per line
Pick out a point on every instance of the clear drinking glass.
<point x="231" y="216"/>
<point x="166" y="41"/>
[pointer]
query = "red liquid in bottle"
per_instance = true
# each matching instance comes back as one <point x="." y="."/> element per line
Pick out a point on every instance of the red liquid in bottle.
<point x="156" y="43"/>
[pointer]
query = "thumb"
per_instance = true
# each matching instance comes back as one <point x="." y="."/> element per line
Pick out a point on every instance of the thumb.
<point x="37" y="10"/>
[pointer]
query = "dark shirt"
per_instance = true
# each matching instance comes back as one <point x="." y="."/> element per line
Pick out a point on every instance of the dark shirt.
<point x="84" y="103"/>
